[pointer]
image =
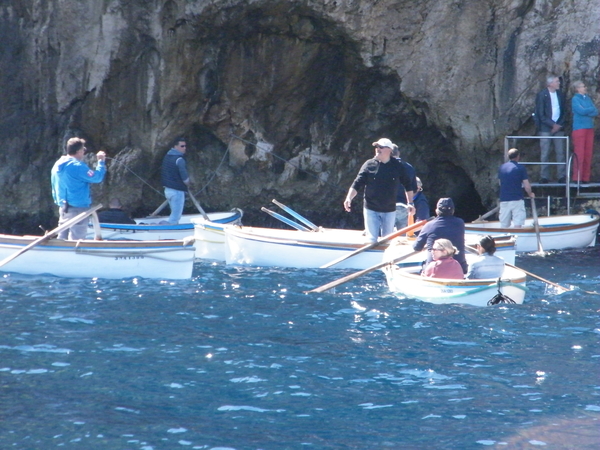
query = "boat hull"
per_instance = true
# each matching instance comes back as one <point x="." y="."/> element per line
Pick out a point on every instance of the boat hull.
<point x="402" y="282"/>
<point x="556" y="232"/>
<point x="173" y="259"/>
<point x="210" y="239"/>
<point x="150" y="228"/>
<point x="302" y="249"/>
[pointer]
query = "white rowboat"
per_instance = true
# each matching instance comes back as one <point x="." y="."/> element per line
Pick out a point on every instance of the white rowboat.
<point x="151" y="228"/>
<point x="556" y="232"/>
<point x="173" y="259"/>
<point x="404" y="282"/>
<point x="313" y="249"/>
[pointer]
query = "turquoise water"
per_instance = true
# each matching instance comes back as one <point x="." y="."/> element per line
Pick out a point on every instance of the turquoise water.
<point x="241" y="358"/>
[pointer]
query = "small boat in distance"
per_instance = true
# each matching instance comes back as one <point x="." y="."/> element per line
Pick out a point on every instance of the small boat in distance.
<point x="556" y="232"/>
<point x="155" y="228"/>
<point x="165" y="260"/>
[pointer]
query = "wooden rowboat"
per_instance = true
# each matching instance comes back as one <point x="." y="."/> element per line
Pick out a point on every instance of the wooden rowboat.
<point x="151" y="228"/>
<point x="403" y="281"/>
<point x="172" y="259"/>
<point x="313" y="249"/>
<point x="556" y="232"/>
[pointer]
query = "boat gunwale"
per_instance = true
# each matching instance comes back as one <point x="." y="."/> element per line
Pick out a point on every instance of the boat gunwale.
<point x="145" y="227"/>
<point x="247" y="234"/>
<point x="464" y="282"/>
<point x="582" y="226"/>
<point x="18" y="241"/>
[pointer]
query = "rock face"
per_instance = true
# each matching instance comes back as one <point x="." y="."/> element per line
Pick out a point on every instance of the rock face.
<point x="278" y="98"/>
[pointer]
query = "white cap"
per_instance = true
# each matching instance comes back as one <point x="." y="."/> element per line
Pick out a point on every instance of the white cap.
<point x="384" y="142"/>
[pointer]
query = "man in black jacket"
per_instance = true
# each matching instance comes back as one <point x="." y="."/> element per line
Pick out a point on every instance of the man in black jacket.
<point x="381" y="177"/>
<point x="550" y="121"/>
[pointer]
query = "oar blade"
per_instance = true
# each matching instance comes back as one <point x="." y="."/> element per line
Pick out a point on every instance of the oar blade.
<point x="536" y="225"/>
<point x="360" y="273"/>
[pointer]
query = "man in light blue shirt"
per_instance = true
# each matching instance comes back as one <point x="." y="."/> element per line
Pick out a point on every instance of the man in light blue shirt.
<point x="71" y="179"/>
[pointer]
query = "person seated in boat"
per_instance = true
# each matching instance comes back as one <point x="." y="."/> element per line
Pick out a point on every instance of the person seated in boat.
<point x="443" y="264"/>
<point x="115" y="214"/>
<point x="444" y="226"/>
<point x="486" y="265"/>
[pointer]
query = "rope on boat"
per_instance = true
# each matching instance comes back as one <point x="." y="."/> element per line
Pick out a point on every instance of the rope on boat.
<point x="500" y="298"/>
<point x="161" y="193"/>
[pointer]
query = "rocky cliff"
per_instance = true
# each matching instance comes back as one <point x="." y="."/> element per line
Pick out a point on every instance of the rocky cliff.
<point x="278" y="98"/>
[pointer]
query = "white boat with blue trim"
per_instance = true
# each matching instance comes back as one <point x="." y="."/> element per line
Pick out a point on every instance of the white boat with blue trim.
<point x="556" y="232"/>
<point x="155" y="228"/>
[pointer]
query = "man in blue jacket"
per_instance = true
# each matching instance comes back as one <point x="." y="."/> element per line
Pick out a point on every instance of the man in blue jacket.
<point x="444" y="226"/>
<point x="71" y="179"/>
<point x="175" y="179"/>
<point x="550" y="121"/>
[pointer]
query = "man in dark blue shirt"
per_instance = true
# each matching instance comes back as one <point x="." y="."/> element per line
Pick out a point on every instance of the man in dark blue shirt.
<point x="175" y="179"/>
<point x="513" y="178"/>
<point x="444" y="226"/>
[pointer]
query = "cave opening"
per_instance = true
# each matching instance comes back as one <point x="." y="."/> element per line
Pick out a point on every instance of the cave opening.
<point x="298" y="82"/>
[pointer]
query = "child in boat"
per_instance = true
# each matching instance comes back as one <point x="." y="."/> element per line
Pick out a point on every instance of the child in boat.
<point x="486" y="265"/>
<point x="443" y="264"/>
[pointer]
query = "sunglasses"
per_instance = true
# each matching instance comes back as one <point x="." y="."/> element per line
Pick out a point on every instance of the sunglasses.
<point x="438" y="249"/>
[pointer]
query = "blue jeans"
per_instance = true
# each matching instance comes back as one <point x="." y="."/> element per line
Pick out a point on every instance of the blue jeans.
<point x="401" y="216"/>
<point x="176" y="200"/>
<point x="378" y="223"/>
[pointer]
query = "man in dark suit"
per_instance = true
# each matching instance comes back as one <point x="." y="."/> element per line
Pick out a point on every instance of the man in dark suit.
<point x="550" y="121"/>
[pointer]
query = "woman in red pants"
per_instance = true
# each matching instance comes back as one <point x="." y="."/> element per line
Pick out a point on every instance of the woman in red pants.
<point x="584" y="112"/>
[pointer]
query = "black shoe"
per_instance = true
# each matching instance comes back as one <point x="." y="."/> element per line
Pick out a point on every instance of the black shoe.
<point x="562" y="180"/>
<point x="543" y="180"/>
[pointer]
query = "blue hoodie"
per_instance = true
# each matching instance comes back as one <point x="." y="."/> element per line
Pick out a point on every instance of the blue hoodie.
<point x="584" y="112"/>
<point x="71" y="180"/>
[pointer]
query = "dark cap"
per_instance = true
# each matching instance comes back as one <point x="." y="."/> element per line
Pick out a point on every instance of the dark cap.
<point x="445" y="205"/>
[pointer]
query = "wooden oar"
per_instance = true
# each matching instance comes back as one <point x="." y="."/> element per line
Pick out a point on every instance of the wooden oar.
<point x="472" y="250"/>
<point x="355" y="275"/>
<point x="198" y="207"/>
<point x="486" y="215"/>
<point x="411" y="220"/>
<point x="536" y="224"/>
<point x="97" y="227"/>
<point x="285" y="220"/>
<point x="159" y="209"/>
<point x="296" y="216"/>
<point x="51" y="234"/>
<point x="550" y="282"/>
<point x="384" y="239"/>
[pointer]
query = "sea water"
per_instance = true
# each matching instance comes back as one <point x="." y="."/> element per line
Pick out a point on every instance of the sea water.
<point x="241" y="358"/>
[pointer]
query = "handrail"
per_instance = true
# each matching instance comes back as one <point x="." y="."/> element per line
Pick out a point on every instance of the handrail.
<point x="566" y="163"/>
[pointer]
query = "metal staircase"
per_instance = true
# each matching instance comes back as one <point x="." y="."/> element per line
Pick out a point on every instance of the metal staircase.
<point x="571" y="188"/>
